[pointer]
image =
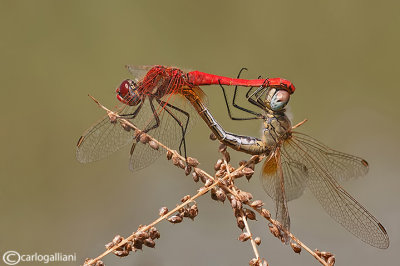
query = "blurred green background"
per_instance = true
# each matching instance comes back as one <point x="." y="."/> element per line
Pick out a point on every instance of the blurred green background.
<point x="341" y="55"/>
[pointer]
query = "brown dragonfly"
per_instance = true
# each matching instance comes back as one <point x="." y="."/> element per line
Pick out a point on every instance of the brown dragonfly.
<point x="296" y="161"/>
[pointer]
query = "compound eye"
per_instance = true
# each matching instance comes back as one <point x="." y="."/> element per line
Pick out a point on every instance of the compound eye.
<point x="124" y="89"/>
<point x="279" y="100"/>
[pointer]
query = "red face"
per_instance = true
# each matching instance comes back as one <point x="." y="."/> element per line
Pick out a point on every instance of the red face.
<point x="127" y="93"/>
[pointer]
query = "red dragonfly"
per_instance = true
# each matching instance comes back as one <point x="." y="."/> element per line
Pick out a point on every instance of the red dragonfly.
<point x="153" y="102"/>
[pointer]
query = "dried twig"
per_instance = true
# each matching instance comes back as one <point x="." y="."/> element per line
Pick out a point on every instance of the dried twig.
<point x="221" y="186"/>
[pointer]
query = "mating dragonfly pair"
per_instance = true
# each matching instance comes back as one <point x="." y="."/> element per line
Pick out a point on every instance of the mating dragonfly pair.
<point x="164" y="102"/>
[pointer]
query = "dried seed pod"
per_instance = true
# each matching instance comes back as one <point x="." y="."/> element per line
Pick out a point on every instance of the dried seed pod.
<point x="112" y="116"/>
<point x="195" y="177"/>
<point x="245" y="196"/>
<point x="163" y="211"/>
<point x="238" y="205"/>
<point x="220" y="173"/>
<point x="193" y="211"/>
<point x="296" y="248"/>
<point x="186" y="212"/>
<point x="212" y="136"/>
<point x="222" y="147"/>
<point x="221" y="196"/>
<point x="331" y="261"/>
<point x="154" y="145"/>
<point x="192" y="161"/>
<point x="213" y="194"/>
<point x="125" y="126"/>
<point x="240" y="222"/>
<point x="223" y="167"/>
<point x="226" y="156"/>
<point x="128" y="246"/>
<point x="181" y="164"/>
<point x="257" y="204"/>
<point x="149" y="243"/>
<point x="169" y="154"/>
<point x="256" y="158"/>
<point x="237" y="174"/>
<point x="233" y="203"/>
<point x="144" y="138"/>
<point x="99" y="263"/>
<point x="137" y="244"/>
<point x="254" y="262"/>
<point x="188" y="170"/>
<point x="175" y="219"/>
<point x="247" y="171"/>
<point x="121" y="253"/>
<point x="154" y="233"/>
<point x="250" y="214"/>
<point x="244" y="237"/>
<point x="257" y="240"/>
<point x="185" y="198"/>
<point x="237" y="213"/>
<point x="326" y="254"/>
<point x="117" y="239"/>
<point x="200" y="174"/>
<point x="209" y="182"/>
<point x="242" y="162"/>
<point x="274" y="230"/>
<point x="218" y="164"/>
<point x="317" y="252"/>
<point x="251" y="165"/>
<point x="175" y="160"/>
<point x="265" y="213"/>
<point x="109" y="245"/>
<point x="141" y="235"/>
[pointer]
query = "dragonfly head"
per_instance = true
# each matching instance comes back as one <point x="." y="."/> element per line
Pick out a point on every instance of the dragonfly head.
<point x="127" y="93"/>
<point x="276" y="99"/>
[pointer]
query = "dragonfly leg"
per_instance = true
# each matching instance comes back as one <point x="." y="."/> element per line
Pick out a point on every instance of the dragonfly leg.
<point x="257" y="94"/>
<point x="183" y="128"/>
<point x="156" y="118"/>
<point x="134" y="114"/>
<point x="256" y="115"/>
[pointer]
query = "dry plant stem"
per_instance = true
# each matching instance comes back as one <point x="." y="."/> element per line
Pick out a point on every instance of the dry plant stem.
<point x="246" y="224"/>
<point x="251" y="236"/>
<point x="234" y="192"/>
<point x="217" y="182"/>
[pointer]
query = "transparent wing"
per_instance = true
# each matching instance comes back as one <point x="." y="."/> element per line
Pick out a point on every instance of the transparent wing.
<point x="103" y="138"/>
<point x="138" y="72"/>
<point x="320" y="170"/>
<point x="177" y="115"/>
<point x="340" y="165"/>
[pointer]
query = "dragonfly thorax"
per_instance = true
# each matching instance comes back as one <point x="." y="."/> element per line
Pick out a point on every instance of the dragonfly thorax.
<point x="277" y="128"/>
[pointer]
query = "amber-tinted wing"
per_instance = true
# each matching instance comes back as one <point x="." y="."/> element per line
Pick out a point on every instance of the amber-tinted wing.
<point x="321" y="167"/>
<point x="274" y="182"/>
